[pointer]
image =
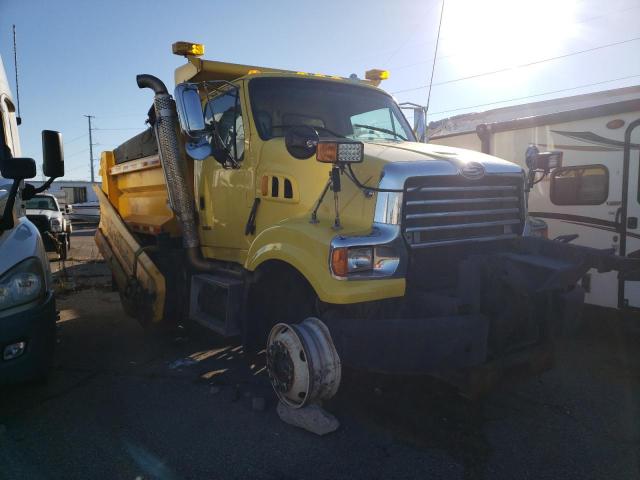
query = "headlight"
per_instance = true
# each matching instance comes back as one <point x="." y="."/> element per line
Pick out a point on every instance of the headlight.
<point x="377" y="260"/>
<point x="56" y="225"/>
<point x="22" y="284"/>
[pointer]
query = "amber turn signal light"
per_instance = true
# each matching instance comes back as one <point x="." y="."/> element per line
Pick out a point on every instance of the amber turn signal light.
<point x="340" y="152"/>
<point x="340" y="262"/>
<point x="327" y="152"/>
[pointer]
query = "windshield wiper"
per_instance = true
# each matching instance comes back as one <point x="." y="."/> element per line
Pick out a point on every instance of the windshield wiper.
<point x="379" y="129"/>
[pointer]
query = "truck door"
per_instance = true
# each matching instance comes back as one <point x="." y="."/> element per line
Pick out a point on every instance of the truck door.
<point x="225" y="195"/>
<point x="629" y="214"/>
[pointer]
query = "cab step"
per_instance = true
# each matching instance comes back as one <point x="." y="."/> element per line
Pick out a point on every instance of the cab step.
<point x="216" y="303"/>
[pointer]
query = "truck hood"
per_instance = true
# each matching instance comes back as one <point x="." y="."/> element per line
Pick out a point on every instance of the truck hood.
<point x="393" y="162"/>
<point x="394" y="152"/>
<point x="19" y="243"/>
<point x="46" y="213"/>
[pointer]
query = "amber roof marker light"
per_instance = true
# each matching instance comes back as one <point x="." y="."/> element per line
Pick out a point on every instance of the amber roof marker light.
<point x="188" y="49"/>
<point x="375" y="76"/>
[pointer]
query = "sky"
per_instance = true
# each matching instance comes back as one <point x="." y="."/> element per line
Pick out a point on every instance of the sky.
<point x="80" y="57"/>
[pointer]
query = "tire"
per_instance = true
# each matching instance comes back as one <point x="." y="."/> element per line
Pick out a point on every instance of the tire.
<point x="292" y="302"/>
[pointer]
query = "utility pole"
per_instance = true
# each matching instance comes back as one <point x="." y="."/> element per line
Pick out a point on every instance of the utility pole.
<point x="89" y="117"/>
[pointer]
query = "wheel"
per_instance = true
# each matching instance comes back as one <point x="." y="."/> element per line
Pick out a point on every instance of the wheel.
<point x="303" y="363"/>
<point x="68" y="240"/>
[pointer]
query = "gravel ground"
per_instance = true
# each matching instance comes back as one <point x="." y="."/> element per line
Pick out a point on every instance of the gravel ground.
<point x="125" y="403"/>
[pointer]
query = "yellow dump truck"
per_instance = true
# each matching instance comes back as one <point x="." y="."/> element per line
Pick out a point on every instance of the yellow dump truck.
<point x="298" y="211"/>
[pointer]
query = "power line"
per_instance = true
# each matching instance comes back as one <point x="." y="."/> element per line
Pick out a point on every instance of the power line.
<point x="69" y="170"/>
<point x="114" y="129"/>
<point x="121" y="115"/>
<point x="435" y="55"/>
<point x="406" y="40"/>
<point x="455" y="54"/>
<point x="537" y="94"/>
<point x="67" y="142"/>
<point x="76" y="153"/>
<point x="524" y="65"/>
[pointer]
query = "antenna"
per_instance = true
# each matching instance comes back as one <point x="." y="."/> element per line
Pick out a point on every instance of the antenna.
<point x="433" y="66"/>
<point x="15" y="64"/>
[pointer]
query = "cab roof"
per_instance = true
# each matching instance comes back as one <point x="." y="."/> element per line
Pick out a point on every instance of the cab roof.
<point x="197" y="70"/>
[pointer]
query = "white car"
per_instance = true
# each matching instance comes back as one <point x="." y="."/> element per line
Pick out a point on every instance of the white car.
<point x="45" y="213"/>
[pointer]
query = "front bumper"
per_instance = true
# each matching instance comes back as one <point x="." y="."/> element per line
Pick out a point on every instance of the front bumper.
<point x="453" y="349"/>
<point x="52" y="240"/>
<point x="37" y="327"/>
<point x="507" y="310"/>
<point x="411" y="345"/>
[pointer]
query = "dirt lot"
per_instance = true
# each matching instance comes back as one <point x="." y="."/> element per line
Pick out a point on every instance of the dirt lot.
<point x="124" y="403"/>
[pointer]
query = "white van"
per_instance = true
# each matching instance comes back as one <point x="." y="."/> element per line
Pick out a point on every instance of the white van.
<point x="27" y="303"/>
<point x="595" y="194"/>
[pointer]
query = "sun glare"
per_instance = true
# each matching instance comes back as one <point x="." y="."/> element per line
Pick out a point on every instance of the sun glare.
<point x="478" y="35"/>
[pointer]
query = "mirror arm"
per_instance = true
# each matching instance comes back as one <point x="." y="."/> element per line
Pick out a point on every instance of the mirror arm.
<point x="6" y="222"/>
<point x="30" y="191"/>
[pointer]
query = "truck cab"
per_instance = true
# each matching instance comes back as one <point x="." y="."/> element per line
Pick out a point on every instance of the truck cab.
<point x="299" y="208"/>
<point x="27" y="301"/>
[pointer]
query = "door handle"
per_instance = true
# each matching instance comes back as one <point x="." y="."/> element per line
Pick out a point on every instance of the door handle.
<point x="618" y="218"/>
<point x="632" y="223"/>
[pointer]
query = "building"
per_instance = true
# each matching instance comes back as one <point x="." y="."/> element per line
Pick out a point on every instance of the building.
<point x="71" y="191"/>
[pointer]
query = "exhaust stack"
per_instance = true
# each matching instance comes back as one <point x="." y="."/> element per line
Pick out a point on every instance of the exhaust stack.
<point x="175" y="172"/>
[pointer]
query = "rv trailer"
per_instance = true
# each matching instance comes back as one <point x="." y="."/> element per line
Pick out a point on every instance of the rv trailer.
<point x="594" y="194"/>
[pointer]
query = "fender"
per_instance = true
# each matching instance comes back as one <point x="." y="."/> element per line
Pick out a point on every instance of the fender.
<point x="21" y="242"/>
<point x="306" y="248"/>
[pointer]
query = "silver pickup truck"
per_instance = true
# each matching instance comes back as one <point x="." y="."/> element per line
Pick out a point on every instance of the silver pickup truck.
<point x="45" y="213"/>
<point x="27" y="300"/>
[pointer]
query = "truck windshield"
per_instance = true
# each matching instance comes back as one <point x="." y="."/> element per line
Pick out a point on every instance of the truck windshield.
<point x="41" y="203"/>
<point x="334" y="109"/>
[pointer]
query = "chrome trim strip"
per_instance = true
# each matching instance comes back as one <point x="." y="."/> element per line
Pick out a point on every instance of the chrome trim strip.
<point x="458" y="201"/>
<point x="388" y="208"/>
<point x="460" y="213"/>
<point x="497" y="223"/>
<point x="439" y="243"/>
<point x="485" y="188"/>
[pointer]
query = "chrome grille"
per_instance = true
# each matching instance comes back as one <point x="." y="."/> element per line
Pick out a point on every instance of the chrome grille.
<point x="40" y="221"/>
<point x="451" y="210"/>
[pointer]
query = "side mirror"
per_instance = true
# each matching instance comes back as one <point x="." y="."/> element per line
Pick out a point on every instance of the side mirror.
<point x="419" y="119"/>
<point x="191" y="116"/>
<point x="52" y="154"/>
<point x="190" y="113"/>
<point x="18" y="168"/>
<point x="542" y="161"/>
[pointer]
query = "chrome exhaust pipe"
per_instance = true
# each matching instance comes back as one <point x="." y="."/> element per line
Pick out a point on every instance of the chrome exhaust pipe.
<point x="175" y="171"/>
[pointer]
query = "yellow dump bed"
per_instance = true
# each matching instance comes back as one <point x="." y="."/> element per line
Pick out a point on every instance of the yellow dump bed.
<point x="134" y="183"/>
